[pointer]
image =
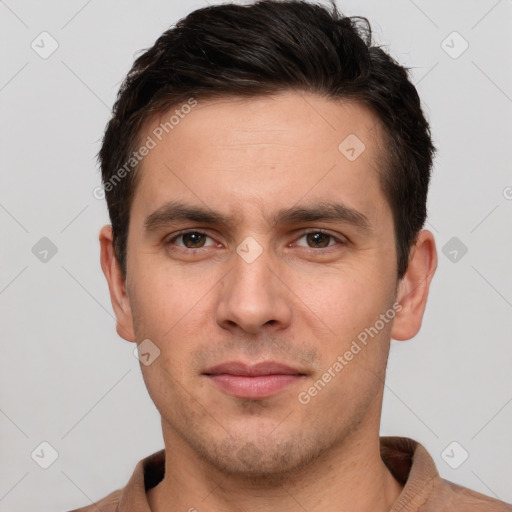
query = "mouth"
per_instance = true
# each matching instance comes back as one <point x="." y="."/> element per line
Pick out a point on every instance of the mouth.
<point x="258" y="381"/>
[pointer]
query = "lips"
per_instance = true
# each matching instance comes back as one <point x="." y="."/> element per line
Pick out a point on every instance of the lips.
<point x="256" y="370"/>
<point x="258" y="381"/>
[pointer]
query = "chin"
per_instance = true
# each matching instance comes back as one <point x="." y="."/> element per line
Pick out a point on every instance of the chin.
<point x="260" y="459"/>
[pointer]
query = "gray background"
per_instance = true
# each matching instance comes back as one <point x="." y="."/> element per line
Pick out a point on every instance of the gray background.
<point x="65" y="376"/>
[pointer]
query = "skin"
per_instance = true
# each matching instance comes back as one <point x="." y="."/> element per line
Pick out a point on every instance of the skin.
<point x="301" y="302"/>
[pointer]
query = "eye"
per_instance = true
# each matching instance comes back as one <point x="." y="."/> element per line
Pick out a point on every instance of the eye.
<point x="190" y="240"/>
<point x="318" y="239"/>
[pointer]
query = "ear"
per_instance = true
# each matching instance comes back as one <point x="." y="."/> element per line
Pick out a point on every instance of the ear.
<point x="414" y="286"/>
<point x="116" y="285"/>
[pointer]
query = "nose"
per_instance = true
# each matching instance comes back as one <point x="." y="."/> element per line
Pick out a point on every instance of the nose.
<point x="253" y="297"/>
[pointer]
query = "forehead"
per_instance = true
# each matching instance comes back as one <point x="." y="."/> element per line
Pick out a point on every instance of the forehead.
<point x="263" y="151"/>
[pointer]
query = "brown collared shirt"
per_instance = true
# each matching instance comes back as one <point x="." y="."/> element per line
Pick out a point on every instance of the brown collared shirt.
<point x="409" y="462"/>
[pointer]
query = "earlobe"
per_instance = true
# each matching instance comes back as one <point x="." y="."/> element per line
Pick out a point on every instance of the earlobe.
<point x="414" y="287"/>
<point x="116" y="285"/>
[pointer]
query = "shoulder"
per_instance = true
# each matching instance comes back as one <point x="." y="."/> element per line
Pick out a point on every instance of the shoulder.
<point x="447" y="496"/>
<point x="147" y="473"/>
<point x="424" y="489"/>
<point x="108" y="504"/>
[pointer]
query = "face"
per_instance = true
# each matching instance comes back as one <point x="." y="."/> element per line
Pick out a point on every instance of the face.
<point x="258" y="243"/>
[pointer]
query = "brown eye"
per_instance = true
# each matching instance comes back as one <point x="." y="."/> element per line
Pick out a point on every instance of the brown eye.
<point x="193" y="240"/>
<point x="318" y="240"/>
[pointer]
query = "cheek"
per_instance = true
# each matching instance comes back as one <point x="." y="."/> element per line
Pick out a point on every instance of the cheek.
<point x="156" y="308"/>
<point x="346" y="300"/>
<point x="172" y="313"/>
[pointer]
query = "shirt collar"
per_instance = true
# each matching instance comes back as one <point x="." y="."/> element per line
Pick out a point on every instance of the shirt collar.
<point x="408" y="461"/>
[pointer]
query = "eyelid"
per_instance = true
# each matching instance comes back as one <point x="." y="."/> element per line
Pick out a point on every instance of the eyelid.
<point x="341" y="239"/>
<point x="185" y="232"/>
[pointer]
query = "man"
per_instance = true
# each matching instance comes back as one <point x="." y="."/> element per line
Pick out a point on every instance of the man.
<point x="266" y="171"/>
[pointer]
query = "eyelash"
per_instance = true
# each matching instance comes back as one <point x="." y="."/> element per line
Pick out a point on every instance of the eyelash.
<point x="340" y="239"/>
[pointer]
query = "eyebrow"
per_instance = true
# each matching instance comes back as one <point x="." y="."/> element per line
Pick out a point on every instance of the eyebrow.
<point x="175" y="211"/>
<point x="322" y="211"/>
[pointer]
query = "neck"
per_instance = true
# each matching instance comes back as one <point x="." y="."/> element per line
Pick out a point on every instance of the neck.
<point x="350" y="476"/>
